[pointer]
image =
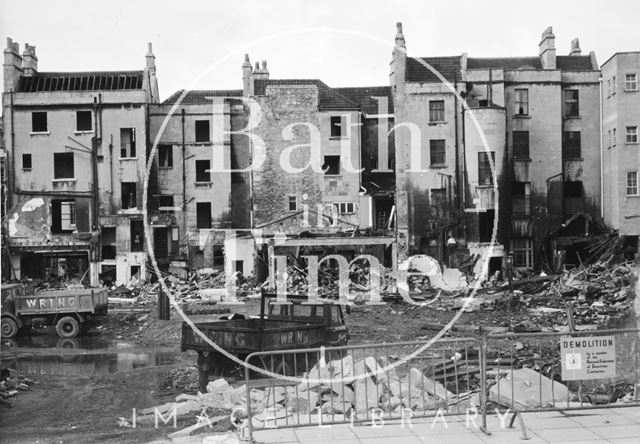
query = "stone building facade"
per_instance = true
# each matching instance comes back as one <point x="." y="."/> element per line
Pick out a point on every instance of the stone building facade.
<point x="621" y="142"/>
<point x="76" y="148"/>
<point x="516" y="138"/>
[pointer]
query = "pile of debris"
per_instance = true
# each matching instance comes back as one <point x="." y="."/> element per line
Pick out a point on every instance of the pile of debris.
<point x="350" y="388"/>
<point x="12" y="385"/>
<point x="206" y="285"/>
<point x="360" y="280"/>
<point x="592" y="295"/>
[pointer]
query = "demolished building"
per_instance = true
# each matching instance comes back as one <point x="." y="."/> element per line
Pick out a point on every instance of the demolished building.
<point x="76" y="143"/>
<point x="507" y="143"/>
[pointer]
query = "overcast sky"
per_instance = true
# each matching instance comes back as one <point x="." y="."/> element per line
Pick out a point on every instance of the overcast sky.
<point x="189" y="37"/>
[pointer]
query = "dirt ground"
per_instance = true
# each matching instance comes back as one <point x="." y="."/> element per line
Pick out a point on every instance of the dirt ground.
<point x="85" y="406"/>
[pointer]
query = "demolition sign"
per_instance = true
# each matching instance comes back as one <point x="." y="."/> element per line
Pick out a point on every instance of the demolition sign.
<point x="592" y="357"/>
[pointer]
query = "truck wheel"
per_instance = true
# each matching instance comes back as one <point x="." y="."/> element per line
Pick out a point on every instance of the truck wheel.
<point x="9" y="327"/>
<point x="68" y="327"/>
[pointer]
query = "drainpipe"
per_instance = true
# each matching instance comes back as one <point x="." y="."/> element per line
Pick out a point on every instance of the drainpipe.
<point x="12" y="176"/>
<point x="601" y="153"/>
<point x="184" y="191"/>
<point x="94" y="172"/>
<point x="455" y="119"/>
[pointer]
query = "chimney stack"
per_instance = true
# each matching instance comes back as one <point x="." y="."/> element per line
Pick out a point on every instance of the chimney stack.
<point x="247" y="77"/>
<point x="261" y="73"/>
<point x="29" y="60"/>
<point x="400" y="42"/>
<point x="150" y="57"/>
<point x="547" y="49"/>
<point x="12" y="66"/>
<point x="575" y="47"/>
<point x="150" y="80"/>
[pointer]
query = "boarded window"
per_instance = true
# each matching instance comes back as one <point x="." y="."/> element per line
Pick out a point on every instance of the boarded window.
<point x="571" y="105"/>
<point x="203" y="173"/>
<point x="571" y="145"/>
<point x="437" y="152"/>
<point x="165" y="156"/>
<point x="128" y="195"/>
<point x="39" y="122"/>
<point x="521" y="144"/>
<point x="202" y="131"/>
<point x="485" y="175"/>
<point x="63" y="216"/>
<point x="83" y="121"/>
<point x="26" y="161"/>
<point x="63" y="166"/>
<point x="337" y="126"/>
<point x="436" y="111"/>
<point x="127" y="142"/>
<point x="331" y="165"/>
<point x="203" y="214"/>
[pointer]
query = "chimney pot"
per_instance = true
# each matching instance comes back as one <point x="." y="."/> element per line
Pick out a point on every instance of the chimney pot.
<point x="575" y="47"/>
<point x="264" y="65"/>
<point x="149" y="48"/>
<point x="257" y="68"/>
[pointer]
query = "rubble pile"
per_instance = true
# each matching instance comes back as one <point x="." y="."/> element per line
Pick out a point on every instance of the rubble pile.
<point x="329" y="280"/>
<point x="206" y="285"/>
<point x="12" y="385"/>
<point x="359" y="387"/>
<point x="596" y="295"/>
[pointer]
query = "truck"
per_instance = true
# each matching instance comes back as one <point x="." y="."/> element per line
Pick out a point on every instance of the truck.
<point x="69" y="310"/>
<point x="294" y="324"/>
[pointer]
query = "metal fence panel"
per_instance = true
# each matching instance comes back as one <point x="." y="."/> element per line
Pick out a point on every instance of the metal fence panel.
<point x="525" y="372"/>
<point x="366" y="383"/>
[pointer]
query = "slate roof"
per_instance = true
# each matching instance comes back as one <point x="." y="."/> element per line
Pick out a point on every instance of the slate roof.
<point x="508" y="63"/>
<point x="201" y="96"/>
<point x="448" y="67"/>
<point x="364" y="97"/>
<point x="328" y="98"/>
<point x="81" y="81"/>
<point x="574" y="63"/>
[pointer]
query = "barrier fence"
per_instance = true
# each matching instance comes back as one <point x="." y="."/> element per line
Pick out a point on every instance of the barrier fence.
<point x="468" y="377"/>
<point x="367" y="383"/>
<point x="562" y="371"/>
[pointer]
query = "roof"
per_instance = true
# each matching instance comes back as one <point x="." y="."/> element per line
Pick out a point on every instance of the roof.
<point x="574" y="63"/>
<point x="201" y="96"/>
<point x="508" y="63"/>
<point x="81" y="81"/>
<point x="364" y="98"/>
<point x="448" y="67"/>
<point x="328" y="98"/>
